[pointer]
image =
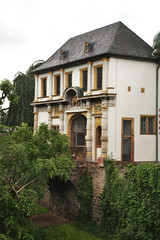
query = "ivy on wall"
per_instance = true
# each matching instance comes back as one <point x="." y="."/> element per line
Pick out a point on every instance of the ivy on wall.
<point x="85" y="193"/>
<point x="131" y="203"/>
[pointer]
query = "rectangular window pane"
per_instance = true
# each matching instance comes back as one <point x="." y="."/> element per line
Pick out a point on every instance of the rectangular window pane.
<point x="143" y="125"/>
<point x="127" y="149"/>
<point x="44" y="87"/>
<point x="58" y="85"/>
<point x="85" y="80"/>
<point x="150" y="124"/>
<point x="99" y="78"/>
<point x="127" y="127"/>
<point x="80" y="139"/>
<point x="70" y="80"/>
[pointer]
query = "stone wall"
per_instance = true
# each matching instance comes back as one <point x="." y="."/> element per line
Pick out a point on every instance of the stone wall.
<point x="64" y="198"/>
<point x="98" y="179"/>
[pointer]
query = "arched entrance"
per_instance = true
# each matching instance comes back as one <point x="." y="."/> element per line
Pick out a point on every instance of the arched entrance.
<point x="78" y="130"/>
<point x="98" y="141"/>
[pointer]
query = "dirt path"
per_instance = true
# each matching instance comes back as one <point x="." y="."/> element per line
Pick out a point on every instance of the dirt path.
<point x="50" y="219"/>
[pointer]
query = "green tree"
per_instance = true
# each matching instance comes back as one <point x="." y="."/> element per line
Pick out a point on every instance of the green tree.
<point x="7" y="92"/>
<point x="24" y="88"/>
<point x="27" y="161"/>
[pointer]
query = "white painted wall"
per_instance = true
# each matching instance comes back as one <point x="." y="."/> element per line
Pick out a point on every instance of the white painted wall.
<point x="121" y="74"/>
<point x="42" y="117"/>
<point x="136" y="74"/>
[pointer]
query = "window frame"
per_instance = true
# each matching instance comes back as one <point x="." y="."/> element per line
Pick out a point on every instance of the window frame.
<point x="42" y="87"/>
<point x="147" y="125"/>
<point x="55" y="84"/>
<point x="66" y="79"/>
<point x="95" y="77"/>
<point x="82" y="70"/>
<point x="56" y="126"/>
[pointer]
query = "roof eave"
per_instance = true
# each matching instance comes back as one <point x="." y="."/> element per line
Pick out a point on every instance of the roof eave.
<point x="94" y="58"/>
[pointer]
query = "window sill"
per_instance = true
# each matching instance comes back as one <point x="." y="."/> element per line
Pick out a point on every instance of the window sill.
<point x="148" y="133"/>
<point x="96" y="89"/>
<point x="43" y="97"/>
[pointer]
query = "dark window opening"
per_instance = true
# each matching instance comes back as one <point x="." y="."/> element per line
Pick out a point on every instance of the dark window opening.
<point x="70" y="80"/>
<point x="44" y="87"/>
<point x="99" y="78"/>
<point x="85" y="80"/>
<point x="58" y="85"/>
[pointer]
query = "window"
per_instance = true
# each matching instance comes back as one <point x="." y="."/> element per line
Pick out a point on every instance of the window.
<point x="148" y="125"/>
<point x="88" y="47"/>
<point x="63" y="54"/>
<point x="98" y="77"/>
<point x="83" y="79"/>
<point x="57" y="85"/>
<point x="68" y="77"/>
<point x="55" y="127"/>
<point x="127" y="139"/>
<point x="44" y="87"/>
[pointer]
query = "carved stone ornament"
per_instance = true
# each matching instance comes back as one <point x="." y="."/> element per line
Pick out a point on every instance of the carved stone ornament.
<point x="74" y="100"/>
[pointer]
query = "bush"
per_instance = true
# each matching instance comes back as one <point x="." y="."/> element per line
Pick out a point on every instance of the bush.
<point x="85" y="193"/>
<point x="131" y="204"/>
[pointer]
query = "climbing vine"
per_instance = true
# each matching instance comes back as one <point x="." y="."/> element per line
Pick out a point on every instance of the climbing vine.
<point x="85" y="193"/>
<point x="131" y="203"/>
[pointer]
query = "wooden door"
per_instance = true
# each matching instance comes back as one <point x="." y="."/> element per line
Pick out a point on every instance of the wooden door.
<point x="127" y="140"/>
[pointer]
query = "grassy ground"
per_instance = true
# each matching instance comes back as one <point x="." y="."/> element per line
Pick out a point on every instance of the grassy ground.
<point x="38" y="209"/>
<point x="68" y="232"/>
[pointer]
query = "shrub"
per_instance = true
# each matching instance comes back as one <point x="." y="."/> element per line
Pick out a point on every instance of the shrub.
<point x="85" y="197"/>
<point x="131" y="204"/>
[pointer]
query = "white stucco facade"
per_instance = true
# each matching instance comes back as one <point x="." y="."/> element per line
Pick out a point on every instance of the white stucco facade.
<point x="128" y="92"/>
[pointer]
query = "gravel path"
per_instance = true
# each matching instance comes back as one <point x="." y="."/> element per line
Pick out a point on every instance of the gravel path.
<point x="50" y="219"/>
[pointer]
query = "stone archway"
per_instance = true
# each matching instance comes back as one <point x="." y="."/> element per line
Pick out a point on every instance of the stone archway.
<point x="78" y="130"/>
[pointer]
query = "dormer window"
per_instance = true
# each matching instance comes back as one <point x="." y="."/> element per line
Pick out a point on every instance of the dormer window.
<point x="88" y="47"/>
<point x="63" y="54"/>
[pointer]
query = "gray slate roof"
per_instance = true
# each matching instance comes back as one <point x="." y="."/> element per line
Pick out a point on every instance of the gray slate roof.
<point x="112" y="40"/>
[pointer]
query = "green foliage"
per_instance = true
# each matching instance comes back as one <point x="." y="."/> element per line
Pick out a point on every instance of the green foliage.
<point x="38" y="209"/>
<point x="6" y="129"/>
<point x="23" y="112"/>
<point x="111" y="199"/>
<point x="90" y="227"/>
<point x="67" y="232"/>
<point x="85" y="193"/>
<point x="131" y="204"/>
<point x="24" y="89"/>
<point x="27" y="161"/>
<point x="7" y="91"/>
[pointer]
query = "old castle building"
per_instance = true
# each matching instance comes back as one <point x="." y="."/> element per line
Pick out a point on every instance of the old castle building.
<point x="99" y="88"/>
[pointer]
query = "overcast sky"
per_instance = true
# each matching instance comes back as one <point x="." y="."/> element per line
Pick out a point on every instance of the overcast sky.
<point x="33" y="30"/>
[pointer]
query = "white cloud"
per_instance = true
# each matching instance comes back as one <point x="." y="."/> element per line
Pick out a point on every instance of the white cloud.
<point x="34" y="29"/>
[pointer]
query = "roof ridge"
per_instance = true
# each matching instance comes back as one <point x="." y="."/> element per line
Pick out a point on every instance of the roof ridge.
<point x="115" y="35"/>
<point x="135" y="34"/>
<point x="95" y="29"/>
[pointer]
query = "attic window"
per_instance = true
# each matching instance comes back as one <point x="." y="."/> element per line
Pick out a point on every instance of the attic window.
<point x="62" y="54"/>
<point x="88" y="47"/>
